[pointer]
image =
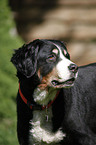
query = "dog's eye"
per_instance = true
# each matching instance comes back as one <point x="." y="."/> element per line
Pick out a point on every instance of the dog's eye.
<point x="51" y="58"/>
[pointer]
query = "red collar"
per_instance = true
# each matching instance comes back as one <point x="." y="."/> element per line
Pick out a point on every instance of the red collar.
<point x="36" y="106"/>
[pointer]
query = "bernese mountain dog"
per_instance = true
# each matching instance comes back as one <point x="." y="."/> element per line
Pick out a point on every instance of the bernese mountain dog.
<point x="56" y="101"/>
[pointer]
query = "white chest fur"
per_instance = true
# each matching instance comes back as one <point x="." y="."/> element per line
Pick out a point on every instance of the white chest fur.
<point x="43" y="97"/>
<point x="41" y="132"/>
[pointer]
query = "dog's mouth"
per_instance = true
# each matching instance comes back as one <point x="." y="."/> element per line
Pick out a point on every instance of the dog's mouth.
<point x="67" y="83"/>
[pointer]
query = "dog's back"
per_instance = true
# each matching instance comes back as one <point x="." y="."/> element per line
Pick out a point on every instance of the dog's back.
<point x="80" y="107"/>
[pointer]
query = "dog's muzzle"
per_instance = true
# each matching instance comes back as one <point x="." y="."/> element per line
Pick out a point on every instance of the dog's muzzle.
<point x="73" y="68"/>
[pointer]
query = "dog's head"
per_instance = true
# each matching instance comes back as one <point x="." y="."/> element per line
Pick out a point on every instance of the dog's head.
<point x="48" y="59"/>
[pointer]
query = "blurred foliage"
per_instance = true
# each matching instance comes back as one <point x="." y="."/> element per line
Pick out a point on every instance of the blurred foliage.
<point x="8" y="81"/>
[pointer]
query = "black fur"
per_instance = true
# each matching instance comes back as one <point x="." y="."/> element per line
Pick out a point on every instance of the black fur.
<point x="74" y="110"/>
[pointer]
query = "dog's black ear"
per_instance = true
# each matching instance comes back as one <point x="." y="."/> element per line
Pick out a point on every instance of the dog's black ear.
<point x="25" y="58"/>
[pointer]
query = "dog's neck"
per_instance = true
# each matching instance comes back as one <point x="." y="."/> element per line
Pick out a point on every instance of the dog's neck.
<point x="28" y="85"/>
<point x="43" y="97"/>
<point x="35" y="94"/>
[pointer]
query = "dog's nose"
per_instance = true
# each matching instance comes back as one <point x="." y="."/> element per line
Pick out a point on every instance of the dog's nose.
<point x="73" y="68"/>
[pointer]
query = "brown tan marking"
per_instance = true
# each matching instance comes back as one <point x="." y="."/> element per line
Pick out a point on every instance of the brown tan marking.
<point x="65" y="52"/>
<point x="46" y="80"/>
<point x="55" y="51"/>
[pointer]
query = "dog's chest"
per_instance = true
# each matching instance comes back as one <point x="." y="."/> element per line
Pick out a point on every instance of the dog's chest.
<point x="41" y="123"/>
<point x="41" y="132"/>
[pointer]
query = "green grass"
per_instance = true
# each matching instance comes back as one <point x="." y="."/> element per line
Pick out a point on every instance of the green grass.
<point x="8" y="81"/>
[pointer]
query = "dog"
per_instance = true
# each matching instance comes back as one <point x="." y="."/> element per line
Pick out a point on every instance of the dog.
<point x="56" y="101"/>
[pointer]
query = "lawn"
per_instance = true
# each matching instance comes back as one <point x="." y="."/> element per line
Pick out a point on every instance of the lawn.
<point x="8" y="81"/>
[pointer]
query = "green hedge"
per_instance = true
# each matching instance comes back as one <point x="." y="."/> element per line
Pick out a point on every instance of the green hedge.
<point x="8" y="81"/>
